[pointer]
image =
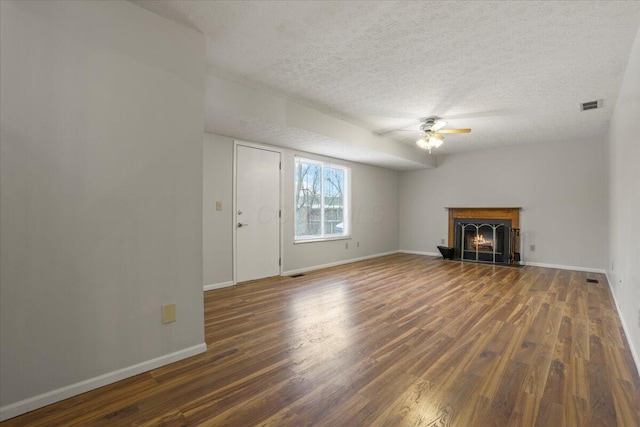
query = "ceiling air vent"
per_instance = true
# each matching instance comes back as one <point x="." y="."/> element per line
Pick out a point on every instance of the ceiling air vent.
<point x="591" y="105"/>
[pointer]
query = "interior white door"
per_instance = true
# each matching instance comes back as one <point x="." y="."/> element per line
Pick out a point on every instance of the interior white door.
<point x="257" y="218"/>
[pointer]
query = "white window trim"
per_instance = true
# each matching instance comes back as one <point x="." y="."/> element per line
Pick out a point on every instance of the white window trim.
<point x="346" y="201"/>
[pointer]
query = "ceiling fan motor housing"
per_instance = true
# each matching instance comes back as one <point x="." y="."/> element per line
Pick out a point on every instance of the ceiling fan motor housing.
<point x="428" y="124"/>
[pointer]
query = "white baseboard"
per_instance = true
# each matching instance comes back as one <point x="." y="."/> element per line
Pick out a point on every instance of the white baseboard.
<point x="627" y="331"/>
<point x="533" y="264"/>
<point x="32" y="403"/>
<point x="405" y="251"/>
<point x="218" y="285"/>
<point x="567" y="267"/>
<point x="333" y="264"/>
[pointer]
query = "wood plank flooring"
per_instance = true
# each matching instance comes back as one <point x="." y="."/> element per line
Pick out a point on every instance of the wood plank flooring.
<point x="403" y="340"/>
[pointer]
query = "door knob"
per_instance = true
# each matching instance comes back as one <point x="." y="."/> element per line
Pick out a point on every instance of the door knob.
<point x="240" y="225"/>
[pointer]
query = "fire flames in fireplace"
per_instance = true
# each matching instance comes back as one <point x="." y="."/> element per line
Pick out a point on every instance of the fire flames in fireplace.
<point x="480" y="243"/>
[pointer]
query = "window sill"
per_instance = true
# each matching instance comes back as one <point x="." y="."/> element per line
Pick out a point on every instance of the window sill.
<point x="322" y="239"/>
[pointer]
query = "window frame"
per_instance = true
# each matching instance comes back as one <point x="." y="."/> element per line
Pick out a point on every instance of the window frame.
<point x="346" y="201"/>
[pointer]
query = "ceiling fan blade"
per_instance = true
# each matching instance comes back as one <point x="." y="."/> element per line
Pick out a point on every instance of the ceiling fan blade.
<point x="455" y="131"/>
<point x="438" y="125"/>
<point x="406" y="128"/>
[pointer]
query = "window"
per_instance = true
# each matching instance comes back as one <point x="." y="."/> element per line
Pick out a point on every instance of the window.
<point x="321" y="200"/>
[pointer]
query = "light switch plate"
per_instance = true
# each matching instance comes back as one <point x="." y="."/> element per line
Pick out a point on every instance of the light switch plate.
<point x="168" y="313"/>
<point x="218" y="206"/>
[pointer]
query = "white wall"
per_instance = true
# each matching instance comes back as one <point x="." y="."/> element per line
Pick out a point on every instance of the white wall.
<point x="217" y="225"/>
<point x="374" y="204"/>
<point x="624" y="200"/>
<point x="101" y="185"/>
<point x="561" y="187"/>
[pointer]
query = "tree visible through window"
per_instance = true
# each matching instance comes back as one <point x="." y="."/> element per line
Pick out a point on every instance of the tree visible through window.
<point x="321" y="202"/>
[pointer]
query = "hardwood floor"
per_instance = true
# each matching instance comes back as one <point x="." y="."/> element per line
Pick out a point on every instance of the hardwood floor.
<point x="403" y="340"/>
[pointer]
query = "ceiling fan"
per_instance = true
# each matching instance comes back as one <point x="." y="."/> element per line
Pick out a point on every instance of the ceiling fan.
<point x="432" y="129"/>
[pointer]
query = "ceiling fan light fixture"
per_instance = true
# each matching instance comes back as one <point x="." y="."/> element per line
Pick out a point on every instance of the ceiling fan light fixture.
<point x="436" y="140"/>
<point x="423" y="143"/>
<point x="430" y="140"/>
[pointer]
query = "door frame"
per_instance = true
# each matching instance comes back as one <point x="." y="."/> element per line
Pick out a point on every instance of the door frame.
<point x="234" y="255"/>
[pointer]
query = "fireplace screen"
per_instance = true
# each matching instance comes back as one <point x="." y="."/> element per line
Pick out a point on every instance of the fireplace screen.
<point x="482" y="242"/>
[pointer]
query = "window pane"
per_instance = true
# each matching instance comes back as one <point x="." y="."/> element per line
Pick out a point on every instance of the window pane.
<point x="334" y="201"/>
<point x="308" y="199"/>
<point x="321" y="200"/>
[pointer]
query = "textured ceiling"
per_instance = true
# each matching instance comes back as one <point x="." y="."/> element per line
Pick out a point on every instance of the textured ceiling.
<point x="515" y="72"/>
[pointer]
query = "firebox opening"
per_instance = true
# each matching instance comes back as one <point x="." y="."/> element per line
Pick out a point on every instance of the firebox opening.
<point x="481" y="241"/>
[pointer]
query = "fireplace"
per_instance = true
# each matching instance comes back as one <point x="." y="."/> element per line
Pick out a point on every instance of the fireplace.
<point x="489" y="235"/>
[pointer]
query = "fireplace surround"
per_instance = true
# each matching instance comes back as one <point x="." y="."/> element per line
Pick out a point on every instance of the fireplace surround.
<point x="490" y="235"/>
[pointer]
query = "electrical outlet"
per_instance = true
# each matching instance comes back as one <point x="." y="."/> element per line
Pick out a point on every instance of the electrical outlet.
<point x="532" y="248"/>
<point x="442" y="241"/>
<point x="346" y="245"/>
<point x="358" y="244"/>
<point x="218" y="206"/>
<point x="168" y="313"/>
